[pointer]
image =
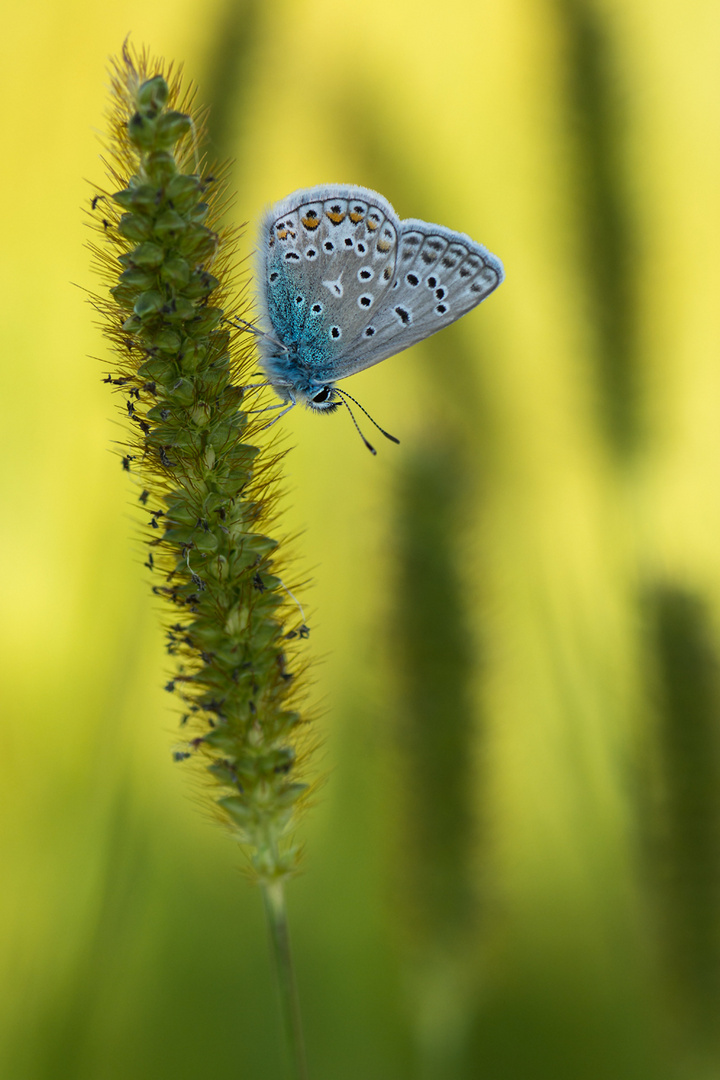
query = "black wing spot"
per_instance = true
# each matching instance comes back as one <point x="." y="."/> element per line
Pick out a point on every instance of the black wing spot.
<point x="439" y="294"/>
<point x="348" y="241"/>
<point x="403" y="315"/>
<point x="361" y="249"/>
<point x="365" y="274"/>
<point x="292" y="255"/>
<point x="370" y="331"/>
<point x="329" y="246"/>
<point x="412" y="279"/>
<point x="274" y="276"/>
<point x="365" y="301"/>
<point x="316" y="308"/>
<point x="441" y="309"/>
<point x="299" y="300"/>
<point x="335" y="332"/>
<point x="310" y="253"/>
<point x="431" y="282"/>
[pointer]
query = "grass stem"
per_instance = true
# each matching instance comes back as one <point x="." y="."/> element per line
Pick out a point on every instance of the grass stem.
<point x="274" y="897"/>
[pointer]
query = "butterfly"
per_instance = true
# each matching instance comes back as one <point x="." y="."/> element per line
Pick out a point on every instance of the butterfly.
<point x="344" y="284"/>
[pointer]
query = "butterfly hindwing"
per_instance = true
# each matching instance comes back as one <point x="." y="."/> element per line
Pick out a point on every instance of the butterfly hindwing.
<point x="330" y="254"/>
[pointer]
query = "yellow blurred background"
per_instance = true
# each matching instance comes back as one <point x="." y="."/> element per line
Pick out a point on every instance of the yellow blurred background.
<point x="523" y="879"/>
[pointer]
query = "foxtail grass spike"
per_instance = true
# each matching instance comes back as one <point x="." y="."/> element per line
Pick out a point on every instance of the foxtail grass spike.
<point x="206" y="490"/>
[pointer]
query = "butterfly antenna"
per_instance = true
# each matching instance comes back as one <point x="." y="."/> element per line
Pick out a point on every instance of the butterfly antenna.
<point x="370" y="447"/>
<point x="385" y="433"/>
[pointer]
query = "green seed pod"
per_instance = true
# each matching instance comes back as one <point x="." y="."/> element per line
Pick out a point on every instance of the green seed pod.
<point x="160" y="167"/>
<point x="176" y="272"/>
<point x="134" y="227"/>
<point x="152" y="95"/>
<point x="171" y="127"/>
<point x="148" y="254"/>
<point x="142" y="130"/>
<point x="148" y="303"/>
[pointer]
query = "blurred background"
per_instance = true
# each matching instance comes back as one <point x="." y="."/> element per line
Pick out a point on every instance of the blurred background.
<point x="513" y="867"/>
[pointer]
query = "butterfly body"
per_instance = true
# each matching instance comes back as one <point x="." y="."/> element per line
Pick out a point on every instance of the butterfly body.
<point x="344" y="284"/>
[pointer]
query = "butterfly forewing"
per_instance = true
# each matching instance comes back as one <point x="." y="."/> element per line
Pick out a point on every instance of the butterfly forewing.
<point x="440" y="276"/>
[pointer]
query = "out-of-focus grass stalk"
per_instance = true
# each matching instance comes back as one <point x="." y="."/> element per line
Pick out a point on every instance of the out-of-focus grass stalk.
<point x="434" y="664"/>
<point x="685" y="829"/>
<point x="435" y="672"/>
<point x="209" y="493"/>
<point x="607" y="240"/>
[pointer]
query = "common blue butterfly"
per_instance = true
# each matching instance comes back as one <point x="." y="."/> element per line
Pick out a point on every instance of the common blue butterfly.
<point x="344" y="283"/>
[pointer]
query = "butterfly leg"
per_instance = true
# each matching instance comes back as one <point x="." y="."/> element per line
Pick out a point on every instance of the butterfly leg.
<point x="254" y="386"/>
<point x="285" y="410"/>
<point x="243" y="324"/>
<point x="268" y="408"/>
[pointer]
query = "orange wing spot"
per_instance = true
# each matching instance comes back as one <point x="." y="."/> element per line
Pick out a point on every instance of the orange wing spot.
<point x="356" y="218"/>
<point x="311" y="222"/>
<point x="372" y="225"/>
<point x="282" y="234"/>
<point x="335" y="218"/>
<point x="384" y="246"/>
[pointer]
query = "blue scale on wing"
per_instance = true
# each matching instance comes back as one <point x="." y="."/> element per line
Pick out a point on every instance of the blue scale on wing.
<point x="334" y="261"/>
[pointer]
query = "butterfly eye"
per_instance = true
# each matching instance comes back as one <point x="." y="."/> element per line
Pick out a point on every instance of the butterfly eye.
<point x="322" y="395"/>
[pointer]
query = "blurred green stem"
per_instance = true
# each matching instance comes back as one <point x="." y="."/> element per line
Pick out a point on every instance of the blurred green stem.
<point x="274" y="897"/>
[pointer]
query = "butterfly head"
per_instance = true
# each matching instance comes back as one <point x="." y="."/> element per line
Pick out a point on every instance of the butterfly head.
<point x="322" y="399"/>
<point x="293" y="384"/>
